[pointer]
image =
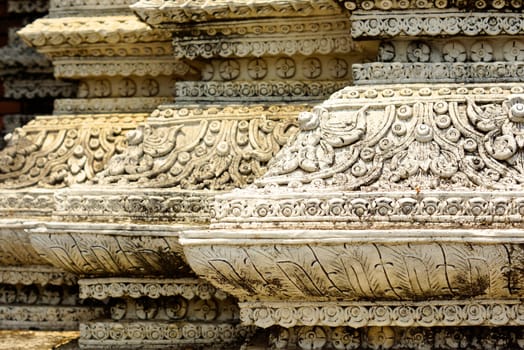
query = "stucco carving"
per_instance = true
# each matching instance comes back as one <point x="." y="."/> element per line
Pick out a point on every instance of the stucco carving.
<point x="368" y="5"/>
<point x="102" y="288"/>
<point x="46" y="317"/>
<point x="109" y="105"/>
<point x="111" y="204"/>
<point x="434" y="23"/>
<point x="354" y="268"/>
<point x="215" y="148"/>
<point x="269" y="37"/>
<point x="391" y="218"/>
<point x="50" y="153"/>
<point x="36" y="274"/>
<point x="378" y="200"/>
<point x="75" y="69"/>
<point x="110" y="249"/>
<point x="287" y="314"/>
<point x="199" y="335"/>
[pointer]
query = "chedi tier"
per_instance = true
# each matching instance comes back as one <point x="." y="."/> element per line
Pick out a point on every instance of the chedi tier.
<point x="277" y="175"/>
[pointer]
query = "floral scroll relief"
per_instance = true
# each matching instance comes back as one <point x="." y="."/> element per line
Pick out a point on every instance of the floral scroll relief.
<point x="197" y="154"/>
<point x="449" y="144"/>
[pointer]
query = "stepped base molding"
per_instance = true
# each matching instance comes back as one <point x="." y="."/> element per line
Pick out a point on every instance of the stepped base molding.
<point x="184" y="313"/>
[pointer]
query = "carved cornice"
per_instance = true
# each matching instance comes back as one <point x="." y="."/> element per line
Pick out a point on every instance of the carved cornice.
<point x="54" y="152"/>
<point x="102" y="288"/>
<point x="57" y="34"/>
<point x="469" y="174"/>
<point x="434" y="23"/>
<point x="491" y="313"/>
<point x="455" y="116"/>
<point x="111" y="249"/>
<point x="15" y="247"/>
<point x="371" y="199"/>
<point x="166" y="13"/>
<point x="359" y="265"/>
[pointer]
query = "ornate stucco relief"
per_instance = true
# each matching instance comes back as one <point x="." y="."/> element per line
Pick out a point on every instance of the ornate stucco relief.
<point x="52" y="153"/>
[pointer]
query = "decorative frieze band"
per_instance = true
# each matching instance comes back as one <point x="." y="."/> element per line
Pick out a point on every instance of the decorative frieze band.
<point x="139" y="105"/>
<point x="47" y="317"/>
<point x="334" y="207"/>
<point x="41" y="275"/>
<point x="295" y="26"/>
<point x="438" y="72"/>
<point x="125" y="335"/>
<point x="38" y="87"/>
<point x="192" y="150"/>
<point x="434" y="23"/>
<point x="368" y="5"/>
<point x="457" y="50"/>
<point x="106" y="202"/>
<point x="256" y="91"/>
<point x="361" y="94"/>
<point x="152" y="288"/>
<point x="318" y="69"/>
<point x="116" y="51"/>
<point x="264" y="45"/>
<point x="490" y="313"/>
<point x="76" y="69"/>
<point x="26" y="203"/>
